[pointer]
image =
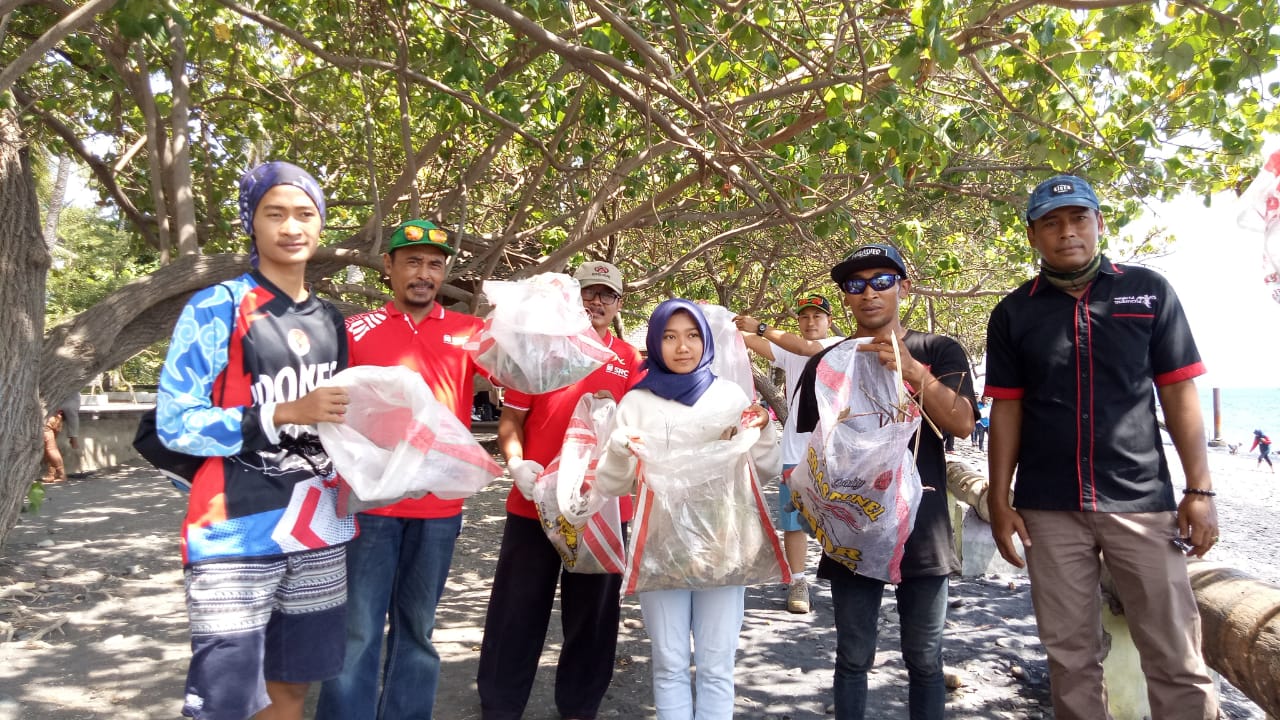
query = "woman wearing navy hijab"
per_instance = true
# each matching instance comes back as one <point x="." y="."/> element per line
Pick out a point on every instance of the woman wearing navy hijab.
<point x="680" y="399"/>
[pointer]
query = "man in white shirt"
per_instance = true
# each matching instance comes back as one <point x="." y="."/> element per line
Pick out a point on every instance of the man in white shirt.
<point x="790" y="352"/>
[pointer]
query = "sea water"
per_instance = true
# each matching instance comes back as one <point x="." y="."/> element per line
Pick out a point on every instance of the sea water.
<point x="1243" y="411"/>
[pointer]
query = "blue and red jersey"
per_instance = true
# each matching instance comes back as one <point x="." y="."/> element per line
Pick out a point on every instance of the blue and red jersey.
<point x="238" y="349"/>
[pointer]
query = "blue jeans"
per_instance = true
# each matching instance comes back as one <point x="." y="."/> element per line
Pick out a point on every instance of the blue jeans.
<point x="922" y="612"/>
<point x="396" y="567"/>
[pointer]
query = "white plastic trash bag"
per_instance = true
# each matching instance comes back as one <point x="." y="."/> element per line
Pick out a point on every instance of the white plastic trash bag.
<point x="592" y="542"/>
<point x="399" y="442"/>
<point x="701" y="520"/>
<point x="537" y="338"/>
<point x="858" y="486"/>
<point x="1261" y="212"/>
<point x="731" y="361"/>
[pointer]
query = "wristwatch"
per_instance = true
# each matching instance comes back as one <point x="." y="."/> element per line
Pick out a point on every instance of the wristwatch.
<point x="761" y="328"/>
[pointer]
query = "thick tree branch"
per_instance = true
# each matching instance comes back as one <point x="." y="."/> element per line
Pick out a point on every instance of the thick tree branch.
<point x="69" y="23"/>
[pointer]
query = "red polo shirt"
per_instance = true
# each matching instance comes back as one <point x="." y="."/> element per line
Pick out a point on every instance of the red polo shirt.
<point x="549" y="414"/>
<point x="432" y="348"/>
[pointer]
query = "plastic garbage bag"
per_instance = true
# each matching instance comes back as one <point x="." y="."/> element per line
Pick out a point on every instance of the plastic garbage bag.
<point x="701" y="519"/>
<point x="537" y="338"/>
<point x="1261" y="212"/>
<point x="858" y="487"/>
<point x="399" y="442"/>
<point x="592" y="541"/>
<point x="731" y="361"/>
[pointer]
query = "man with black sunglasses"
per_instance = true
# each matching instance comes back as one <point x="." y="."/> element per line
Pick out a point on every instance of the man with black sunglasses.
<point x="936" y="369"/>
<point x="1073" y="356"/>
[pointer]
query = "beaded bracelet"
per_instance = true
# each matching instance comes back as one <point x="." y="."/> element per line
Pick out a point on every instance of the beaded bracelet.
<point x="1197" y="491"/>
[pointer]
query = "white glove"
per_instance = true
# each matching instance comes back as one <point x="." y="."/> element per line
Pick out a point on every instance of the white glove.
<point x="524" y="473"/>
<point x="622" y="442"/>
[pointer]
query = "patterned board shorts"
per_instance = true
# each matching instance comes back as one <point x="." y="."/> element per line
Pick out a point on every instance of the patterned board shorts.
<point x="255" y="620"/>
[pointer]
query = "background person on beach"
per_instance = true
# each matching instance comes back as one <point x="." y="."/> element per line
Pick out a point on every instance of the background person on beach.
<point x="790" y="352"/>
<point x="874" y="281"/>
<point x="1263" y="444"/>
<point x="531" y="432"/>
<point x="262" y="543"/>
<point x="65" y="417"/>
<point x="399" y="563"/>
<point x="681" y="398"/>
<point x="979" y="436"/>
<point x="1072" y="356"/>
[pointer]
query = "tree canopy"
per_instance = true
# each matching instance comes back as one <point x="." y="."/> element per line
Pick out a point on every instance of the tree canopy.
<point x="725" y="150"/>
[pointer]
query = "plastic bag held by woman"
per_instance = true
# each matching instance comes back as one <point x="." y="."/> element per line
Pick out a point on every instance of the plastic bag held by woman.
<point x="703" y="521"/>
<point x="399" y="442"/>
<point x="858" y="486"/>
<point x="537" y="338"/>
<point x="584" y="525"/>
<point x="732" y="361"/>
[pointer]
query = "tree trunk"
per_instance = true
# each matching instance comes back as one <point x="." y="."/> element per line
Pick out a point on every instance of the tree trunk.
<point x="55" y="202"/>
<point x="22" y="277"/>
<point x="184" y="202"/>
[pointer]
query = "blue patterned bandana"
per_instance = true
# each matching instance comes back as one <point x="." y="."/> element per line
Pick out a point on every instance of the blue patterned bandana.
<point x="259" y="180"/>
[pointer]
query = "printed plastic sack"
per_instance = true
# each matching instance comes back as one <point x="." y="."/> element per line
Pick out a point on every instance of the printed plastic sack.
<point x="1261" y="212"/>
<point x="399" y="442"/>
<point x="537" y="338"/>
<point x="595" y="544"/>
<point x="701" y="520"/>
<point x="858" y="487"/>
<point x="731" y="361"/>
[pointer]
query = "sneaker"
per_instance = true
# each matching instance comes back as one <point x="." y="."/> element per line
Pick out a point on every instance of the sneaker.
<point x="798" y="597"/>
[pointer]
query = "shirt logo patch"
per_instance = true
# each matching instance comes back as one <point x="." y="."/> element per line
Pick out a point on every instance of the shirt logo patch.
<point x="299" y="343"/>
<point x="454" y="340"/>
<point x="1143" y="300"/>
<point x="361" y="324"/>
<point x="617" y="370"/>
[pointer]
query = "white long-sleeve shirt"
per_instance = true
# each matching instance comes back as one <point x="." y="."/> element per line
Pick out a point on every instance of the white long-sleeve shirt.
<point x="661" y="421"/>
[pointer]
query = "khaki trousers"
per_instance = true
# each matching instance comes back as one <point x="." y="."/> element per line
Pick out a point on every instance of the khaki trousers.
<point x="1151" y="579"/>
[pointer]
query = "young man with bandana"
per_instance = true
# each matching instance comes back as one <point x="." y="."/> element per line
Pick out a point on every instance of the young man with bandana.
<point x="400" y="562"/>
<point x="262" y="544"/>
<point x="531" y="432"/>
<point x="789" y="353"/>
<point x="1072" y="356"/>
<point x="936" y="369"/>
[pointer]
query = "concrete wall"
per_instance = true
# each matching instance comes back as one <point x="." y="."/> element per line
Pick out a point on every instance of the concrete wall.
<point x="106" y="434"/>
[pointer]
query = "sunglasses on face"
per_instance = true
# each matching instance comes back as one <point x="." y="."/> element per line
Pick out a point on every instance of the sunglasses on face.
<point x="879" y="283"/>
<point x="604" y="295"/>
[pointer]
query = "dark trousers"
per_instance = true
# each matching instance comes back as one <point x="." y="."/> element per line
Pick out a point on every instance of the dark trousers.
<point x="515" y="627"/>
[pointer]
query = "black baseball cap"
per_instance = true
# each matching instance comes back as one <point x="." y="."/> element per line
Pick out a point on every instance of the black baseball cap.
<point x="813" y="301"/>
<point x="875" y="255"/>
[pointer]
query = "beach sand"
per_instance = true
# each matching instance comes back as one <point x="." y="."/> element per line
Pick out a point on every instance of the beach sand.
<point x="92" y="622"/>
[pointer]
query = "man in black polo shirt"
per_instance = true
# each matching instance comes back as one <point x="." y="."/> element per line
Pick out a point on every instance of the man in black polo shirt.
<point x="874" y="281"/>
<point x="1071" y="359"/>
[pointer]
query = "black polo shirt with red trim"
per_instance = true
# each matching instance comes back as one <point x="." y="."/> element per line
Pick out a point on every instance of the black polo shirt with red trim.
<point x="1086" y="370"/>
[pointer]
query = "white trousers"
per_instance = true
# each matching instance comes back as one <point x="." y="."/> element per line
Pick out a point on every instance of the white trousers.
<point x="713" y="617"/>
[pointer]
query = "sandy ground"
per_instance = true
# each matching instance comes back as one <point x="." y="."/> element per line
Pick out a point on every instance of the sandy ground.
<point x="92" y="622"/>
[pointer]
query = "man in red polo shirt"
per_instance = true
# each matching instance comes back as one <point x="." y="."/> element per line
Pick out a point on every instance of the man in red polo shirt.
<point x="530" y="433"/>
<point x="398" y="564"/>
